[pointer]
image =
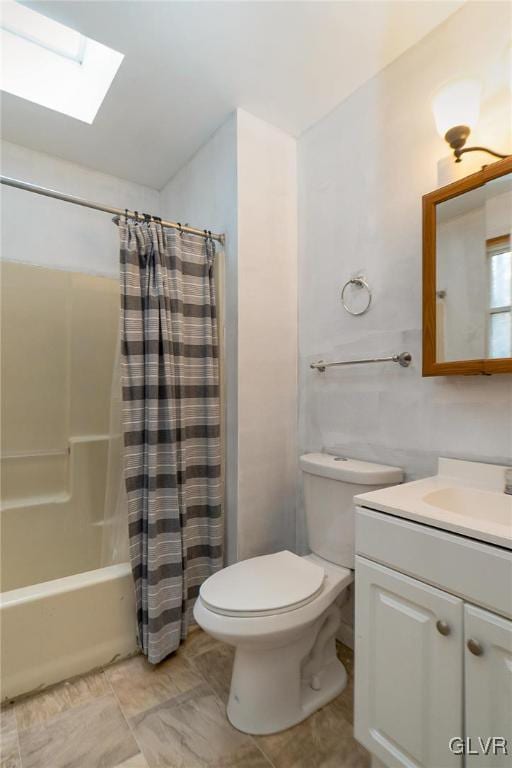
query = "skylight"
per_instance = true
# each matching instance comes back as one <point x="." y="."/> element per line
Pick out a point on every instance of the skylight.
<point x="50" y="64"/>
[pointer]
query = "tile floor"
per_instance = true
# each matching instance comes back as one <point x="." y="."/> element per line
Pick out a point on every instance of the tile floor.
<point x="133" y="715"/>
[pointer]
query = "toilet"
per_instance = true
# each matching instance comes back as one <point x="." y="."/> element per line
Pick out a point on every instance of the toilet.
<point x="280" y="611"/>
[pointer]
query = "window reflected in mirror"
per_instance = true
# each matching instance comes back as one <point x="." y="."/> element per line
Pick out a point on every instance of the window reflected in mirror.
<point x="499" y="260"/>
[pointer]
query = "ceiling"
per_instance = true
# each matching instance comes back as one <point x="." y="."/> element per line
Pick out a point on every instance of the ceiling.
<point x="188" y="65"/>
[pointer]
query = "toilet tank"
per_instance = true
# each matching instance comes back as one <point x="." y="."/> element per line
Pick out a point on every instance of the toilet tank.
<point x="330" y="484"/>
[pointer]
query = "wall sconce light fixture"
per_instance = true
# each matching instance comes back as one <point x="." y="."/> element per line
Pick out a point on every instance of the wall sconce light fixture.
<point x="456" y="107"/>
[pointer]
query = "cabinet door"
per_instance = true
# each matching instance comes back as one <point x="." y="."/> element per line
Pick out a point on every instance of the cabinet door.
<point x="408" y="658"/>
<point x="488" y="679"/>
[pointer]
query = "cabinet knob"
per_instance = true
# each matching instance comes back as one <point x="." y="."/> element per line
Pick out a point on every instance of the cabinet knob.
<point x="475" y="647"/>
<point x="443" y="628"/>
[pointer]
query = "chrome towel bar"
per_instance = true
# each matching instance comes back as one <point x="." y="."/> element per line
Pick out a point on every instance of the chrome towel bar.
<point x="404" y="359"/>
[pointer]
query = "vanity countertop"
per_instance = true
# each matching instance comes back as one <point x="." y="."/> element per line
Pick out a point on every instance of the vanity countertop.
<point x="465" y="497"/>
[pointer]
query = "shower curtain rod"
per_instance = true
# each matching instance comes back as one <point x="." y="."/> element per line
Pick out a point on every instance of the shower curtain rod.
<point x="106" y="208"/>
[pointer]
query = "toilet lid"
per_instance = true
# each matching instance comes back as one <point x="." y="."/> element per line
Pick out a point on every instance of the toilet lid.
<point x="263" y="585"/>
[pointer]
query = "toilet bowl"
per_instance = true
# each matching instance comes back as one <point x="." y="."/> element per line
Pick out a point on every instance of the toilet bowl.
<point x="285" y="663"/>
<point x="280" y="611"/>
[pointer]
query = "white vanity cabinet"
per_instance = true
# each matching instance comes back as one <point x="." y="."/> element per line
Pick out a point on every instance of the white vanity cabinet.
<point x="488" y="683"/>
<point x="431" y="666"/>
<point x="408" y="673"/>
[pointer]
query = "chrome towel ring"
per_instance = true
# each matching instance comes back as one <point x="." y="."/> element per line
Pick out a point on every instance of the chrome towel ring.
<point x="361" y="283"/>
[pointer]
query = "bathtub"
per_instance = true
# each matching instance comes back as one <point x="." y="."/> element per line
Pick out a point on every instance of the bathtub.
<point x="61" y="613"/>
<point x="61" y="628"/>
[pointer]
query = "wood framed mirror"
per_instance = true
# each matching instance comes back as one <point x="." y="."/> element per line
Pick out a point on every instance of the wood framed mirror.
<point x="467" y="274"/>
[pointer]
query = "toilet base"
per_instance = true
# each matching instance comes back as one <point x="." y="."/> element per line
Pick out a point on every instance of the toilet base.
<point x="333" y="680"/>
<point x="268" y="695"/>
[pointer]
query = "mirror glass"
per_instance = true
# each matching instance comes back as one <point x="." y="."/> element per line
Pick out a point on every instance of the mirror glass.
<point x="474" y="273"/>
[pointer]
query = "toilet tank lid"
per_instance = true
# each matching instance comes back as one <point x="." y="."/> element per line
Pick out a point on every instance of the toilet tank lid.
<point x="350" y="470"/>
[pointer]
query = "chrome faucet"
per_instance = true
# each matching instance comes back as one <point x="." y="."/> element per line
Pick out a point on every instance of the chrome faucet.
<point x="508" y="481"/>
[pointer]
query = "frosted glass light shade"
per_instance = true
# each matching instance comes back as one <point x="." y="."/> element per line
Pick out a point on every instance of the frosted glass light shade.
<point x="457" y="103"/>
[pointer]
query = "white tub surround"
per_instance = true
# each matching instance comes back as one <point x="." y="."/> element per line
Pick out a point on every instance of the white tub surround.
<point x="62" y="614"/>
<point x="66" y="525"/>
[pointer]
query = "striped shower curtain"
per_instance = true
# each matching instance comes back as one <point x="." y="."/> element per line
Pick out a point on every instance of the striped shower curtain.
<point x="171" y="422"/>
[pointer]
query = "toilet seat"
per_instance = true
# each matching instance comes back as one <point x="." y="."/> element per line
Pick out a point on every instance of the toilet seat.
<point x="263" y="586"/>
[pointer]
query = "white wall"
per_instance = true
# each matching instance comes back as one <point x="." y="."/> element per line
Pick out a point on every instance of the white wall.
<point x="267" y="337"/>
<point x="204" y="194"/>
<point x="52" y="233"/>
<point x="362" y="172"/>
<point x="243" y="182"/>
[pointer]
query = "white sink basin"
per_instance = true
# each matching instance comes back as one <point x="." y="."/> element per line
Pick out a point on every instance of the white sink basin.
<point x="472" y="502"/>
<point x="465" y="497"/>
